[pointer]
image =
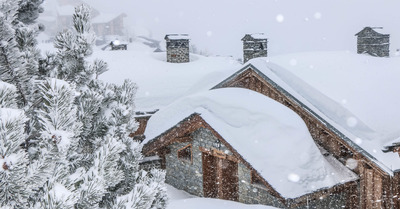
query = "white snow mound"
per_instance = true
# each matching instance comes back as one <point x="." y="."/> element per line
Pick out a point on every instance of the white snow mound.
<point x="271" y="137"/>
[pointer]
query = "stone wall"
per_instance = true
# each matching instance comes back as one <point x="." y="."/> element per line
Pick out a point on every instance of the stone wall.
<point x="149" y="163"/>
<point x="373" y="45"/>
<point x="188" y="175"/>
<point x="326" y="137"/>
<point x="254" y="48"/>
<point x="178" y="51"/>
<point x="254" y="193"/>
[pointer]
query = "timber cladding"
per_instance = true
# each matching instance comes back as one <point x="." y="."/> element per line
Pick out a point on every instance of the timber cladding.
<point x="142" y="125"/>
<point x="377" y="188"/>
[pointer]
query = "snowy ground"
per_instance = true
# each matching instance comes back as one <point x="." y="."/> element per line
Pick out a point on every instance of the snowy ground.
<point x="181" y="200"/>
<point x="160" y="83"/>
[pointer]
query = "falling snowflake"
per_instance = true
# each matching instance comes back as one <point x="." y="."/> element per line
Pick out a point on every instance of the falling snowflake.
<point x="293" y="62"/>
<point x="294" y="177"/>
<point x="317" y="15"/>
<point x="209" y="33"/>
<point x="351" y="121"/>
<point x="280" y="18"/>
<point x="351" y="163"/>
<point x="358" y="141"/>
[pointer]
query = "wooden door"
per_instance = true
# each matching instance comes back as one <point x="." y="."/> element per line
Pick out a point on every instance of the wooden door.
<point x="220" y="178"/>
<point x="210" y="187"/>
<point x="229" y="180"/>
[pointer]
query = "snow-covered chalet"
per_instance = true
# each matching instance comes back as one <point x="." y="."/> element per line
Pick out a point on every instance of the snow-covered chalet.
<point x="238" y="144"/>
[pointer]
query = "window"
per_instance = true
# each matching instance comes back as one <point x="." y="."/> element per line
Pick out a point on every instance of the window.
<point x="185" y="153"/>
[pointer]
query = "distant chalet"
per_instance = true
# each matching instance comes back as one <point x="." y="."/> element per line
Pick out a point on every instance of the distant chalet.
<point x="369" y="41"/>
<point x="177" y="48"/>
<point x="254" y="45"/>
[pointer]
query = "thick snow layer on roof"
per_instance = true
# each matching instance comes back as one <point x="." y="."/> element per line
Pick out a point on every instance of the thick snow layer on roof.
<point x="357" y="94"/>
<point x="258" y="36"/>
<point x="178" y="36"/>
<point x="271" y="137"/>
<point x="161" y="82"/>
<point x="104" y="18"/>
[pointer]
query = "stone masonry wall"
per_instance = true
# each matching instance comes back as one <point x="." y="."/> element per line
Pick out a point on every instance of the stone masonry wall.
<point x="376" y="46"/>
<point x="188" y="176"/>
<point x="178" y="51"/>
<point x="253" y="49"/>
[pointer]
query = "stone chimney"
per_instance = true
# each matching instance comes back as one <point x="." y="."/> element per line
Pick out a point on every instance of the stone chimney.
<point x="372" y="42"/>
<point x="254" y="45"/>
<point x="177" y="48"/>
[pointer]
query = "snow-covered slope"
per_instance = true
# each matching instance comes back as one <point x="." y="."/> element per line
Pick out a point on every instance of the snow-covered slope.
<point x="358" y="94"/>
<point x="271" y="137"/>
<point x="160" y="82"/>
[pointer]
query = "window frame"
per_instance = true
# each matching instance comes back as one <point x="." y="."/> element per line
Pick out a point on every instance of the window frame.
<point x="183" y="158"/>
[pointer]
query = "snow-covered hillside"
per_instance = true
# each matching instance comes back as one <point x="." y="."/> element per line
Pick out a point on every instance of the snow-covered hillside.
<point x="160" y="82"/>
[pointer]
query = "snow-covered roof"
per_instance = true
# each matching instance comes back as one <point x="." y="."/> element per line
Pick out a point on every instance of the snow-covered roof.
<point x="177" y="36"/>
<point x="356" y="94"/>
<point x="105" y="18"/>
<point x="161" y="82"/>
<point x="376" y="30"/>
<point x="268" y="135"/>
<point x="258" y="36"/>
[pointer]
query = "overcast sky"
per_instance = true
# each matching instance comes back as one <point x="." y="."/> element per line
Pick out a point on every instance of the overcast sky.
<point x="291" y="25"/>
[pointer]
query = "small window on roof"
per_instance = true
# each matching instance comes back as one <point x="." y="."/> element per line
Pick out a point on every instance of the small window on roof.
<point x="185" y="153"/>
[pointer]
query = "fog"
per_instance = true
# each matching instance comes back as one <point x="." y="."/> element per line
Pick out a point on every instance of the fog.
<point x="292" y="26"/>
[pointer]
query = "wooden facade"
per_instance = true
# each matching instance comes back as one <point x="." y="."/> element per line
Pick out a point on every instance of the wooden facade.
<point x="377" y="188"/>
<point x="220" y="176"/>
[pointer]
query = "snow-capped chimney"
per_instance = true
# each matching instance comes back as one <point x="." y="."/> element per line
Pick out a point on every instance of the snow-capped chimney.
<point x="177" y="48"/>
<point x="254" y="45"/>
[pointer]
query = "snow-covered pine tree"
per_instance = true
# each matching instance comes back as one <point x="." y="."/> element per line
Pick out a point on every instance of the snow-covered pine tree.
<point x="13" y="159"/>
<point x="11" y="68"/>
<point x="94" y="166"/>
<point x="29" y="10"/>
<point x="73" y="47"/>
<point x="7" y="95"/>
<point x="19" y="177"/>
<point x="57" y="118"/>
<point x="106" y="112"/>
